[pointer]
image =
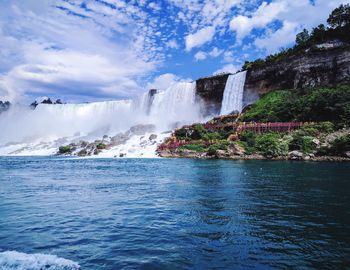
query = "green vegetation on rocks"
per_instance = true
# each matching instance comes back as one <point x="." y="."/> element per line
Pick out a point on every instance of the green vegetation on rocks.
<point x="271" y="145"/>
<point x="66" y="149"/>
<point x="101" y="146"/>
<point x="305" y="105"/>
<point x="193" y="147"/>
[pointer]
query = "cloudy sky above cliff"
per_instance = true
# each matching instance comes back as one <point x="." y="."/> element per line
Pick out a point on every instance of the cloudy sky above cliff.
<point x="84" y="50"/>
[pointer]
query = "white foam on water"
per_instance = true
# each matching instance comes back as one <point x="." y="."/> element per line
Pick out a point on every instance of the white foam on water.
<point x="138" y="146"/>
<point x="13" y="260"/>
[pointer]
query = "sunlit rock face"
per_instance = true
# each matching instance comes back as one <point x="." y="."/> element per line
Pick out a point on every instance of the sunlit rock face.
<point x="313" y="68"/>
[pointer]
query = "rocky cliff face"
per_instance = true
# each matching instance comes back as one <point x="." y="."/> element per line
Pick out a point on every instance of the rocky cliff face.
<point x="210" y="91"/>
<point x="326" y="67"/>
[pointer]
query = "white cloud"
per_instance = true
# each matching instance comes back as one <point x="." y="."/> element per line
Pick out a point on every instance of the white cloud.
<point x="199" y="56"/>
<point x="154" y="6"/>
<point x="164" y="81"/>
<point x="295" y="16"/>
<point x="199" y="38"/>
<point x="282" y="37"/>
<point x="48" y="51"/>
<point x="173" y="44"/>
<point x="215" y="52"/>
<point x="228" y="56"/>
<point x="265" y="14"/>
<point x="230" y="68"/>
<point x="107" y="49"/>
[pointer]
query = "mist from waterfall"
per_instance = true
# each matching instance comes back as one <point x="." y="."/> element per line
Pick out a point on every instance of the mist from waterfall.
<point x="166" y="109"/>
<point x="233" y="93"/>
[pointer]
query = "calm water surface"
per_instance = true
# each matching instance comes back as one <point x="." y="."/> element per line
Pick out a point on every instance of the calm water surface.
<point x="177" y="213"/>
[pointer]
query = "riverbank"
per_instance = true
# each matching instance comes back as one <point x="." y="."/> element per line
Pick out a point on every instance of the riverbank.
<point x="292" y="157"/>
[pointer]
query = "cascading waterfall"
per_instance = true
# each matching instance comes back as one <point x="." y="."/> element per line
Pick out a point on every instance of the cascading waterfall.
<point x="233" y="93"/>
<point x="175" y="105"/>
<point x="63" y="123"/>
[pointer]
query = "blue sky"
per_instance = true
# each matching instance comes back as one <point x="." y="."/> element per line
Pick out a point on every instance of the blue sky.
<point x="89" y="50"/>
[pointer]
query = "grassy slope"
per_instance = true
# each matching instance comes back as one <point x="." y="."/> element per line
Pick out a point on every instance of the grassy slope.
<point x="314" y="104"/>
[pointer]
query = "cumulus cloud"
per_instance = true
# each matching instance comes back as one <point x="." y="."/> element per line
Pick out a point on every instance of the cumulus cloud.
<point x="292" y="15"/>
<point x="215" y="52"/>
<point x="274" y="41"/>
<point x="172" y="44"/>
<point x="95" y="49"/>
<point x="230" y="68"/>
<point x="164" y="81"/>
<point x="67" y="51"/>
<point x="199" y="38"/>
<point x="265" y="14"/>
<point x="199" y="56"/>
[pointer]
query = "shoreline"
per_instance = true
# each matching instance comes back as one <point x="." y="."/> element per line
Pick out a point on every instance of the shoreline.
<point x="198" y="157"/>
<point x="254" y="157"/>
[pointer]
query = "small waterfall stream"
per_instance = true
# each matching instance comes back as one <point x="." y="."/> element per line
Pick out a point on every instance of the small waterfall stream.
<point x="233" y="93"/>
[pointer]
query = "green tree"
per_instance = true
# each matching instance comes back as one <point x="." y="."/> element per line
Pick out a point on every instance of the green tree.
<point x="319" y="34"/>
<point x="340" y="17"/>
<point x="302" y="37"/>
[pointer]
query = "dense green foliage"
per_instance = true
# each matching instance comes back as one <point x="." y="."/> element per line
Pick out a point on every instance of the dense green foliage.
<point x="194" y="147"/>
<point x="65" y="149"/>
<point x="303" y="143"/>
<point x="221" y="145"/>
<point x="311" y="139"/>
<point x="101" y="146"/>
<point x="308" y="140"/>
<point x="307" y="105"/>
<point x="198" y="132"/>
<point x="340" y="17"/>
<point x="272" y="145"/>
<point x="338" y="29"/>
<point x="340" y="145"/>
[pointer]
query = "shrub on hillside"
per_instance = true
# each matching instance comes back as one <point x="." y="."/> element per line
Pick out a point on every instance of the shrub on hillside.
<point x="221" y="145"/>
<point x="65" y="149"/>
<point x="248" y="137"/>
<point x="302" y="143"/>
<point x="194" y="147"/>
<point x="271" y="145"/>
<point x="340" y="146"/>
<point x="181" y="134"/>
<point x="101" y="146"/>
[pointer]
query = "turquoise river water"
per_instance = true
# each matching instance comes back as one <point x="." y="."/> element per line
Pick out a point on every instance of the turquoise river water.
<point x="62" y="213"/>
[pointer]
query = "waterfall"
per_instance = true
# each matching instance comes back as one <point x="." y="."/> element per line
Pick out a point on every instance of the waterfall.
<point x="233" y="93"/>
<point x="176" y="105"/>
<point x="67" y="122"/>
